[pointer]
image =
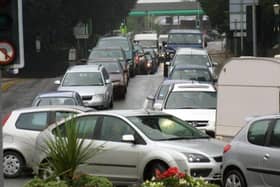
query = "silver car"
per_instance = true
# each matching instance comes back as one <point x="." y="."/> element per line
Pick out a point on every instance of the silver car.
<point x="137" y="143"/>
<point x="92" y="82"/>
<point x="252" y="158"/>
<point x="20" y="129"/>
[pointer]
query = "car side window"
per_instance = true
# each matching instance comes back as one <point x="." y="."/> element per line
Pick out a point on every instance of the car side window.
<point x="275" y="136"/>
<point x="36" y="121"/>
<point x="257" y="132"/>
<point x="60" y="115"/>
<point x="84" y="124"/>
<point x="114" y="128"/>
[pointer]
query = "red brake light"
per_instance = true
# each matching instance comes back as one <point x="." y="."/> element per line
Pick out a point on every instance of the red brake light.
<point x="5" y="119"/>
<point x="227" y="148"/>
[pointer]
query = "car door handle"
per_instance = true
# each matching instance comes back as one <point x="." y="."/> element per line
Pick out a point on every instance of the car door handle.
<point x="266" y="156"/>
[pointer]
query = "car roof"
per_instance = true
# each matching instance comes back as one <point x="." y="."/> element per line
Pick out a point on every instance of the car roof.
<point x="193" y="87"/>
<point x="58" y="94"/>
<point x="55" y="107"/>
<point x="107" y="48"/>
<point x="163" y="36"/>
<point x="189" y="66"/>
<point x="104" y="60"/>
<point x="114" y="37"/>
<point x="192" y="31"/>
<point x="191" y="51"/>
<point x="171" y="81"/>
<point x="128" y="113"/>
<point x="150" y="36"/>
<point x="85" y="68"/>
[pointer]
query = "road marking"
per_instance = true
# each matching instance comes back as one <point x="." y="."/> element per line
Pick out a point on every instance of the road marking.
<point x="8" y="84"/>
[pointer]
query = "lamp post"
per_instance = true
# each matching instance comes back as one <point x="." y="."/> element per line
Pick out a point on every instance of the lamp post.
<point x="276" y="29"/>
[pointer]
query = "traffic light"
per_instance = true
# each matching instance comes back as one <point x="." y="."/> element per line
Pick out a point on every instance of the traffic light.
<point x="11" y="34"/>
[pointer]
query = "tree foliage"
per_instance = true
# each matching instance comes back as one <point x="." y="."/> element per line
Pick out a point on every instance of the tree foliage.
<point x="217" y="10"/>
<point x="53" y="21"/>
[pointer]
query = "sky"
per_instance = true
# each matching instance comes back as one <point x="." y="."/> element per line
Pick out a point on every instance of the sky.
<point x="161" y="1"/>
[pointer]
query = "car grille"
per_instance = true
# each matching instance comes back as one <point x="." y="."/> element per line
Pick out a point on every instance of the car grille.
<point x="86" y="97"/>
<point x="200" y="172"/>
<point x="218" y="158"/>
<point x="198" y="123"/>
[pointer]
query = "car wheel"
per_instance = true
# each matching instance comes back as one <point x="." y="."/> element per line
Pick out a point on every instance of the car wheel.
<point x="234" y="178"/>
<point x="111" y="105"/>
<point x="45" y="171"/>
<point x="12" y="164"/>
<point x="151" y="172"/>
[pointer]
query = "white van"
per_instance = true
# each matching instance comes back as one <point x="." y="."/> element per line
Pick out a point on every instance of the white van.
<point x="247" y="86"/>
<point x="147" y="40"/>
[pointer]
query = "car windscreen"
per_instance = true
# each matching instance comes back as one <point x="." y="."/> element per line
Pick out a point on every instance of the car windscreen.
<point x="185" y="38"/>
<point x="191" y="100"/>
<point x="165" y="127"/>
<point x="55" y="101"/>
<point x="191" y="74"/>
<point x="148" y="43"/>
<point x="83" y="79"/>
<point x="95" y="54"/>
<point x="123" y="43"/>
<point x="192" y="59"/>
<point x="111" y="67"/>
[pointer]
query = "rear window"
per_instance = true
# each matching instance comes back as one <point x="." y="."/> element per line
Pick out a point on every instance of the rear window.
<point x="36" y="121"/>
<point x="183" y="38"/>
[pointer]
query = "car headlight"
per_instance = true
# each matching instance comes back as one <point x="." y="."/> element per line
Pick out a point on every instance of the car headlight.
<point x="98" y="97"/>
<point x="194" y="157"/>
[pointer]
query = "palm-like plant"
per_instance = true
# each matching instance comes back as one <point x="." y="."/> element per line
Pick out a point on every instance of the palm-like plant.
<point x="67" y="151"/>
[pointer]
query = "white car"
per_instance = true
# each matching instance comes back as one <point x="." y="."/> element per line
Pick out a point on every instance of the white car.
<point x="194" y="57"/>
<point x="20" y="129"/>
<point x="193" y="102"/>
<point x="136" y="143"/>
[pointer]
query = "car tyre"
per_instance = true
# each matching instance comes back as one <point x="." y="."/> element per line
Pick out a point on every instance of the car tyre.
<point x="13" y="164"/>
<point x="151" y="171"/>
<point x="234" y="178"/>
<point x="111" y="105"/>
<point x="45" y="171"/>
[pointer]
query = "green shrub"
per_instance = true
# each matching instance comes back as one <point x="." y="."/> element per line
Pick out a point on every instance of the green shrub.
<point x="90" y="181"/>
<point x="66" y="152"/>
<point x="37" y="182"/>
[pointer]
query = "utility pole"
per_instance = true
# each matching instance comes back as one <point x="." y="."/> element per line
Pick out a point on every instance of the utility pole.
<point x="241" y="28"/>
<point x="254" y="28"/>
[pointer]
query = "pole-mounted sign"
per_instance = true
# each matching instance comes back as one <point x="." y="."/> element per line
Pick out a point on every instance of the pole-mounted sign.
<point x="7" y="53"/>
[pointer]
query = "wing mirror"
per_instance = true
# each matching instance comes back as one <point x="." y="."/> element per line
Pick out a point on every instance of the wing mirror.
<point x="215" y="64"/>
<point x="128" y="138"/>
<point x="57" y="82"/>
<point x="108" y="81"/>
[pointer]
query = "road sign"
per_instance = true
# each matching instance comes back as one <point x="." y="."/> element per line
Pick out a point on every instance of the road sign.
<point x="7" y="53"/>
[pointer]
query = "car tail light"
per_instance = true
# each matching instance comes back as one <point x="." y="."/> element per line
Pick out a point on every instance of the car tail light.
<point x="227" y="148"/>
<point x="5" y="119"/>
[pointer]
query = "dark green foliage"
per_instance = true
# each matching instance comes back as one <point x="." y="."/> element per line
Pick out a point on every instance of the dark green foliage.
<point x="90" y="181"/>
<point x="218" y="11"/>
<point x="37" y="182"/>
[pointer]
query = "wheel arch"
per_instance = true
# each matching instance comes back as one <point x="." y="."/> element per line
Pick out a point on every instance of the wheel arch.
<point x="150" y="164"/>
<point x="17" y="152"/>
<point x="233" y="167"/>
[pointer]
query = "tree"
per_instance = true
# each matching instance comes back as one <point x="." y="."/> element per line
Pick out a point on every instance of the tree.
<point x="217" y="10"/>
<point x="53" y="21"/>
